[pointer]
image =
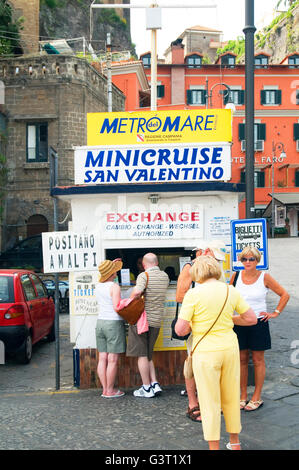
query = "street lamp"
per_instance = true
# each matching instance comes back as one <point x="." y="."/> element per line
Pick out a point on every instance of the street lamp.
<point x="229" y="104"/>
<point x="280" y="147"/>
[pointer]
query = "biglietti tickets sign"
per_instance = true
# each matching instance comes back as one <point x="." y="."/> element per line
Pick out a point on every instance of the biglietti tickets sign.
<point x="69" y="251"/>
<point x="152" y="127"/>
<point x="153" y="164"/>
<point x="154" y="224"/>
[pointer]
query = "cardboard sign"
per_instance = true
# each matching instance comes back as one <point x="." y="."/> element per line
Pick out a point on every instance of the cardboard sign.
<point x="69" y="251"/>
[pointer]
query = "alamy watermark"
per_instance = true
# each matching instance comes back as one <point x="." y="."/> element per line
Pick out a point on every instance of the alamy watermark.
<point x="2" y="353"/>
<point x="295" y="354"/>
<point x="2" y="92"/>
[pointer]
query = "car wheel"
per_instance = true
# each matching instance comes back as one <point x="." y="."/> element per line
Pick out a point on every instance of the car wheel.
<point x="51" y="336"/>
<point x="25" y="352"/>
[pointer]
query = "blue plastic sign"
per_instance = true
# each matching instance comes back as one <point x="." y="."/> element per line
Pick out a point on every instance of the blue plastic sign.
<point x="249" y="232"/>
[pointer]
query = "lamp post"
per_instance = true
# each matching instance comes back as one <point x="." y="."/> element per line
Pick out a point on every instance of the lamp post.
<point x="209" y="94"/>
<point x="275" y="146"/>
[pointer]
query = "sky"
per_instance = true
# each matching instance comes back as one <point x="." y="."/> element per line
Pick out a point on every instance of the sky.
<point x="229" y="17"/>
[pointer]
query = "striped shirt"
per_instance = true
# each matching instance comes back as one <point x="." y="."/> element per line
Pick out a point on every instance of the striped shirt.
<point x="154" y="295"/>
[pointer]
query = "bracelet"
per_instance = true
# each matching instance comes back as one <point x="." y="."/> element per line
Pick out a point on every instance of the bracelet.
<point x="277" y="311"/>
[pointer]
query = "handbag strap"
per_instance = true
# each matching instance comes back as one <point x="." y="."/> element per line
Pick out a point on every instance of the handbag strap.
<point x="227" y="290"/>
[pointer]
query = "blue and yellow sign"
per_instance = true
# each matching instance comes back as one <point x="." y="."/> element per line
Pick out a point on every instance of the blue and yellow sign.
<point x="156" y="127"/>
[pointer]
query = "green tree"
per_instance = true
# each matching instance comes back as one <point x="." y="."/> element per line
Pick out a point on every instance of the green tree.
<point x="9" y="31"/>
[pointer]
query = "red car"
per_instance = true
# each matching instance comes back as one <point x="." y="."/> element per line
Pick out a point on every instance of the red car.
<point x="27" y="312"/>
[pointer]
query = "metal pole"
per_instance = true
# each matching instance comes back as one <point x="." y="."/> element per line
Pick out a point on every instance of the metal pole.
<point x="272" y="205"/>
<point x="53" y="182"/>
<point x="249" y="31"/>
<point x="109" y="79"/>
<point x="154" y="70"/>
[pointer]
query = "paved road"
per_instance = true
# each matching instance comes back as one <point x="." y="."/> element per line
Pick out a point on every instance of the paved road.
<point x="35" y="416"/>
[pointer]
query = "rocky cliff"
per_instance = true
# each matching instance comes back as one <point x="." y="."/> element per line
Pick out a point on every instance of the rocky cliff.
<point x="69" y="19"/>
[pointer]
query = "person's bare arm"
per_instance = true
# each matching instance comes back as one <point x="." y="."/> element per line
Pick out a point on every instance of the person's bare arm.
<point x="246" y="319"/>
<point x="182" y="327"/>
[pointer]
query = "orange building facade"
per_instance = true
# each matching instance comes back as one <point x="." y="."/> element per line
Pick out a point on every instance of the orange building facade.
<point x="186" y="83"/>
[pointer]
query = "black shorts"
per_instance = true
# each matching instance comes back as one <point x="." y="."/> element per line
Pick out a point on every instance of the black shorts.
<point x="256" y="337"/>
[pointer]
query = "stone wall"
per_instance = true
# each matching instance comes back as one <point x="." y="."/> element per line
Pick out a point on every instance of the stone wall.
<point x="59" y="90"/>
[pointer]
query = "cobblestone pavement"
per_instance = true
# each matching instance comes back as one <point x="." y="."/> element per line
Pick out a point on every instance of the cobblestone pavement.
<point x="36" y="416"/>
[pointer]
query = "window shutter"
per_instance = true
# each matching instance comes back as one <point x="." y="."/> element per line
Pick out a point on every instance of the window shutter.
<point x="261" y="132"/>
<point x="263" y="96"/>
<point x="297" y="96"/>
<point x="189" y="97"/>
<point x="241" y="131"/>
<point x="241" y="96"/>
<point x="278" y="97"/>
<point x="261" y="179"/>
<point x="296" y="131"/>
<point x="242" y="177"/>
<point x="160" y="91"/>
<point x="297" y="179"/>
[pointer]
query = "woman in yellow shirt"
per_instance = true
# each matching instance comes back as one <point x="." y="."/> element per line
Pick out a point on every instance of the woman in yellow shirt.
<point x="216" y="361"/>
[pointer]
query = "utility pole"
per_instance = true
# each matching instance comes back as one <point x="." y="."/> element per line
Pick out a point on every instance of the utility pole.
<point x="249" y="31"/>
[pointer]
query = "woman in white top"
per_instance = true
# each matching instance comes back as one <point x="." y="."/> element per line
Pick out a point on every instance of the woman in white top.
<point x="253" y="286"/>
<point x="110" y="329"/>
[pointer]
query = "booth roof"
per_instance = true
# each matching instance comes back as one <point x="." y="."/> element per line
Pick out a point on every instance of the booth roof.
<point x="147" y="188"/>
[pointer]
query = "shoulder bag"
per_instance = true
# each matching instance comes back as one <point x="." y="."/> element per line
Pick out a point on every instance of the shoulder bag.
<point x="132" y="312"/>
<point x="188" y="369"/>
<point x="174" y="335"/>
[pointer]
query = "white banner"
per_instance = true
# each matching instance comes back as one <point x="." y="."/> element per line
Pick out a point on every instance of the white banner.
<point x="154" y="224"/>
<point x="167" y="163"/>
<point x="69" y="251"/>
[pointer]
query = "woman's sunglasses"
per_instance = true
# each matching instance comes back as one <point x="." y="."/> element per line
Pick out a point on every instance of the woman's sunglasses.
<point x="243" y="260"/>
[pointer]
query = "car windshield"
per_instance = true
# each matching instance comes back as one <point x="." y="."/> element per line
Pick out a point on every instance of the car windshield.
<point x="6" y="290"/>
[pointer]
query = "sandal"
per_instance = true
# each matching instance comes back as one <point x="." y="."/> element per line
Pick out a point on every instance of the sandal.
<point x="194" y="414"/>
<point x="229" y="446"/>
<point x="243" y="403"/>
<point x="253" y="405"/>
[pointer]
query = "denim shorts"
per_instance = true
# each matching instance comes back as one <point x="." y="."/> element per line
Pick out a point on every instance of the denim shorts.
<point x="110" y="336"/>
<point x="254" y="338"/>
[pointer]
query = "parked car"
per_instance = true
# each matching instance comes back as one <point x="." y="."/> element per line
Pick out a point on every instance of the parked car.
<point x="27" y="312"/>
<point x="26" y="254"/>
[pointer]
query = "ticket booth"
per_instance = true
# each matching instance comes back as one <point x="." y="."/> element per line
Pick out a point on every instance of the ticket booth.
<point x="147" y="197"/>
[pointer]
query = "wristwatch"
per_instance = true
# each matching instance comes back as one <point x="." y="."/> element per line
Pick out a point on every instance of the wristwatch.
<point x="277" y="311"/>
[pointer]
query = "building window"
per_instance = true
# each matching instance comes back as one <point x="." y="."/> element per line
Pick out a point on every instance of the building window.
<point x="259" y="179"/>
<point x="193" y="61"/>
<point x="236" y="96"/>
<point x="197" y="97"/>
<point x="228" y="60"/>
<point x="297" y="96"/>
<point x="37" y="142"/>
<point x="271" y="97"/>
<point x="146" y="59"/>
<point x="160" y="91"/>
<point x="296" y="179"/>
<point x="259" y="136"/>
<point x="293" y="61"/>
<point x="261" y="62"/>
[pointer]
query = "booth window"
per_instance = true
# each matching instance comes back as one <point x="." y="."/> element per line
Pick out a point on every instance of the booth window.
<point x="197" y="97"/>
<point x="270" y="97"/>
<point x="37" y="142"/>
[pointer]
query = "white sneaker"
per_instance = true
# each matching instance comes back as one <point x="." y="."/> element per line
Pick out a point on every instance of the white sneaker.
<point x="144" y="393"/>
<point x="156" y="388"/>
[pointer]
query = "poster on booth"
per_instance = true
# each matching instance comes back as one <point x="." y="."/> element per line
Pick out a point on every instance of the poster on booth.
<point x="159" y="127"/>
<point x="252" y="233"/>
<point x="69" y="251"/>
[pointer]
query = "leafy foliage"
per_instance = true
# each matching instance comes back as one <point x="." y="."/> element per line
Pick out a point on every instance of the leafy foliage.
<point x="9" y="30"/>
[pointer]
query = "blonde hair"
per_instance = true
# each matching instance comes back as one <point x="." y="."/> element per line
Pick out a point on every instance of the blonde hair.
<point x="205" y="267"/>
<point x="251" y="249"/>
